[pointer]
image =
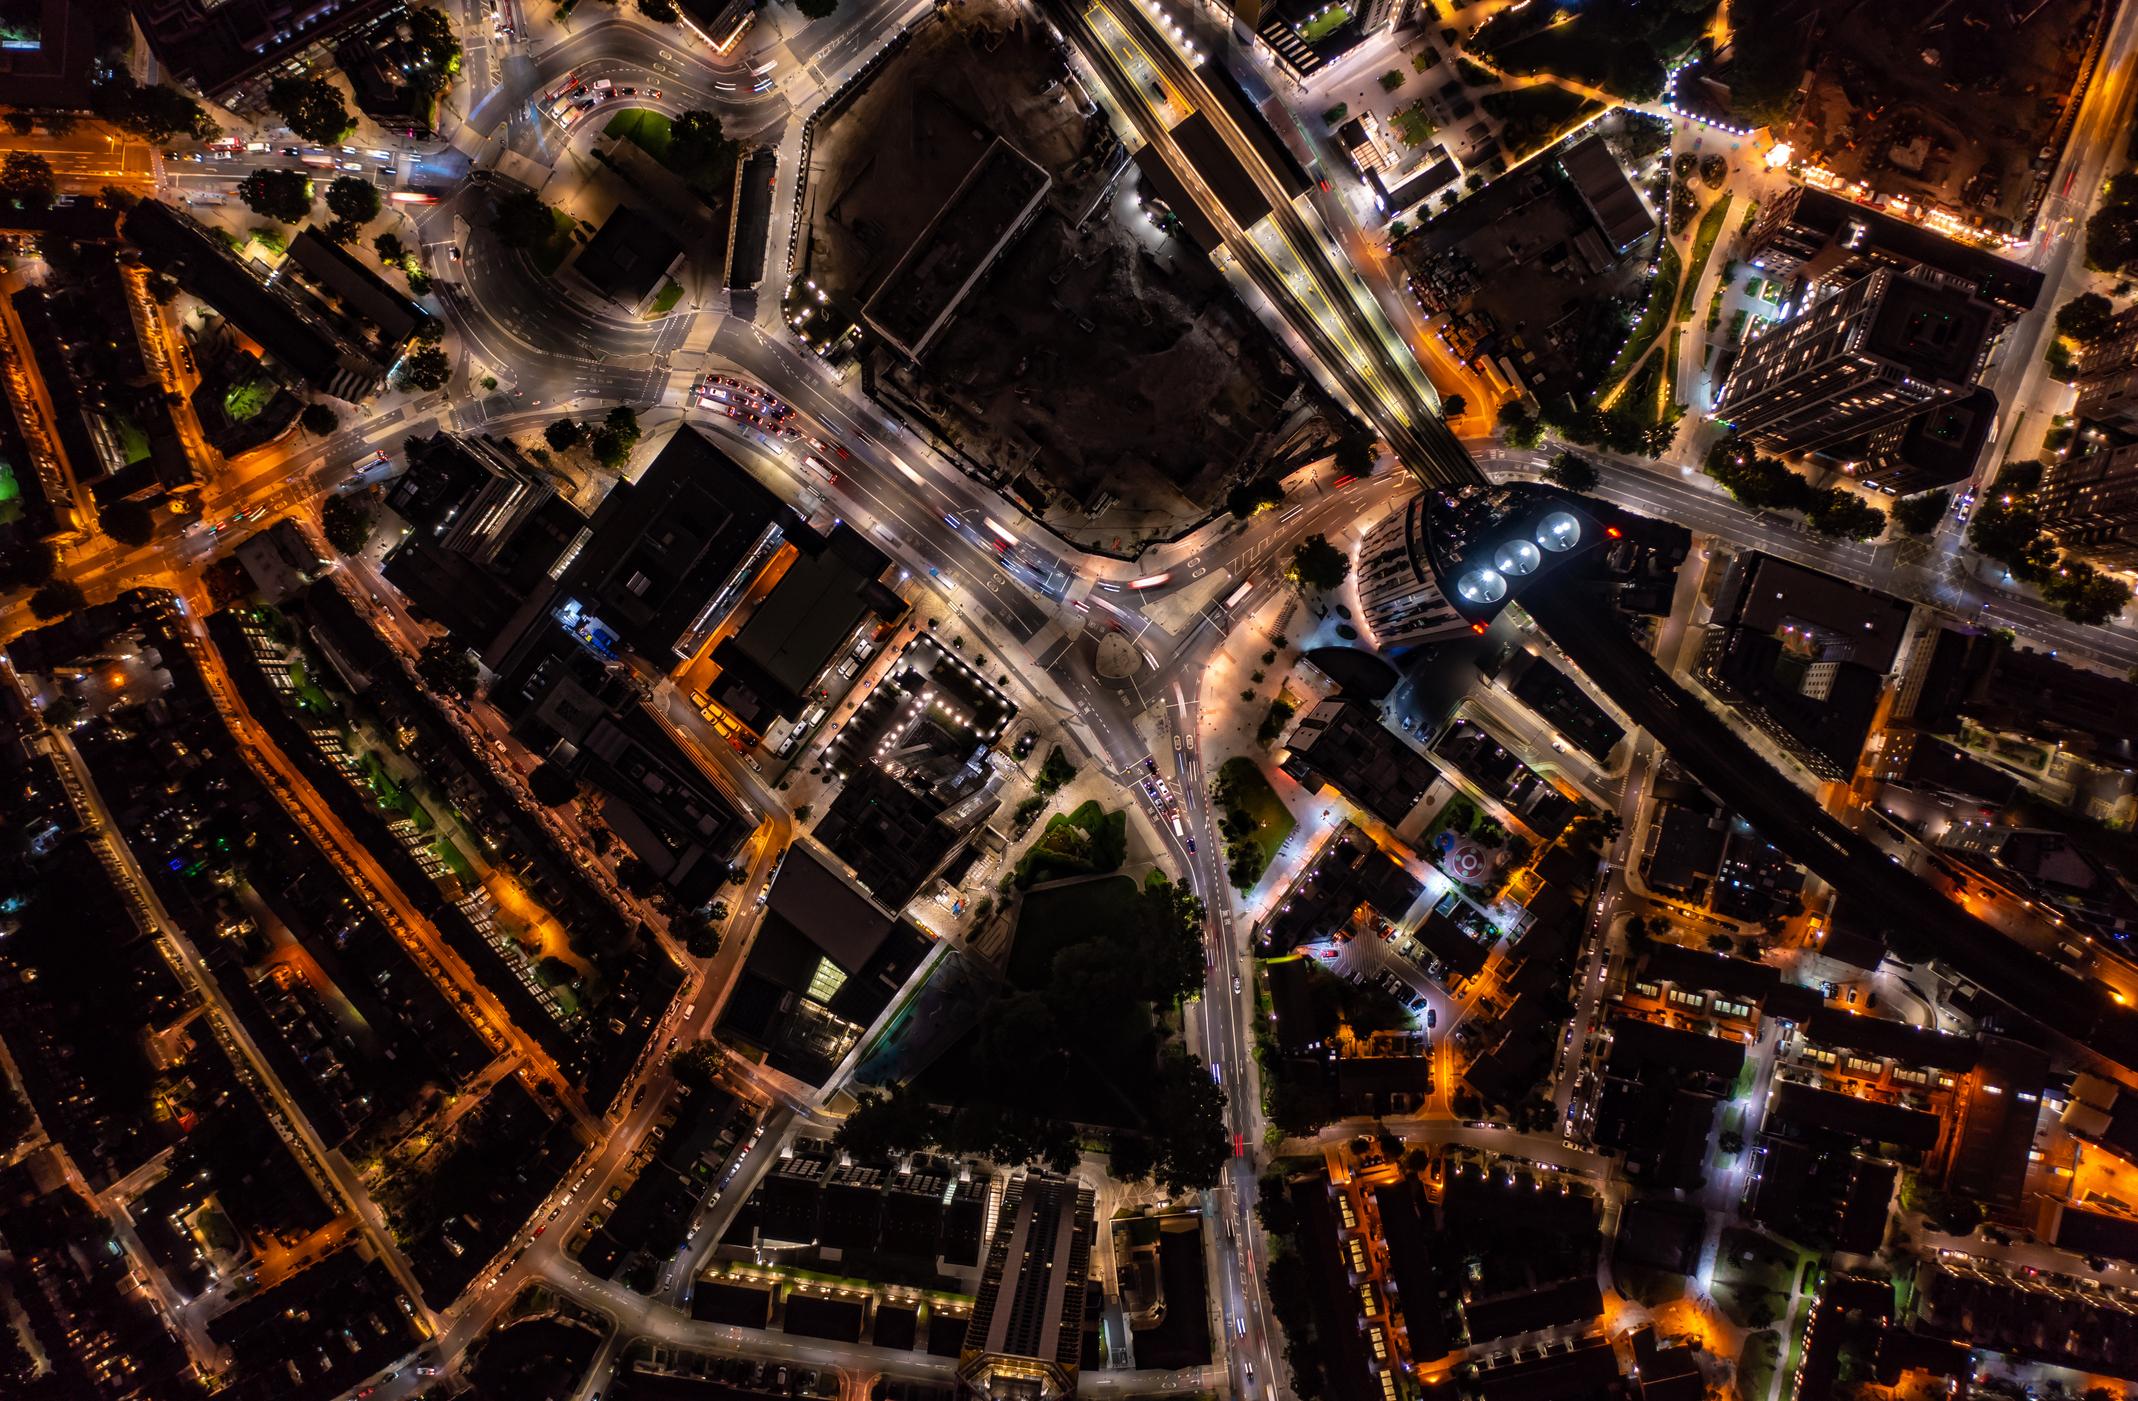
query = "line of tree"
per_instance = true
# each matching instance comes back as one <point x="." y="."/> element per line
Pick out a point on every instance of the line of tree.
<point x="1767" y="483"/>
<point x="2007" y="527"/>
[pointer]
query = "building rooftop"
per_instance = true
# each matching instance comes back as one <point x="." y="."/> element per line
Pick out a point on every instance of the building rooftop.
<point x="1605" y="191"/>
<point x="628" y="257"/>
<point x="1344" y="744"/>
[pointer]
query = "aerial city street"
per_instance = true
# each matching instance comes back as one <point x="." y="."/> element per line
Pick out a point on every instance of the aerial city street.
<point x="989" y="700"/>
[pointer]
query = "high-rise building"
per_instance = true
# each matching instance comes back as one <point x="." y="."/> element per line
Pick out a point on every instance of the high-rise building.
<point x="1027" y="1331"/>
<point x="1937" y="447"/>
<point x="1827" y="239"/>
<point x="1398" y="592"/>
<point x="2090" y="504"/>
<point x="2108" y="374"/>
<point x="1880" y="350"/>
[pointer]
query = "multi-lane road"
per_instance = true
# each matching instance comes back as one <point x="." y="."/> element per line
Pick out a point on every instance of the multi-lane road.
<point x="555" y="352"/>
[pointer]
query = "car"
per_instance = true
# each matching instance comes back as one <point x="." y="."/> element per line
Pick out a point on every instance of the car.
<point x="1432" y="1018"/>
<point x="454" y="252"/>
<point x="1235" y="982"/>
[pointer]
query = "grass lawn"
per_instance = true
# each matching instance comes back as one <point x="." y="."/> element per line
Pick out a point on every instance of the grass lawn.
<point x="1412" y="128"/>
<point x="308" y="693"/>
<point x="669" y="295"/>
<point x="1087" y="841"/>
<point x="1705" y="233"/>
<point x="133" y="442"/>
<point x="247" y="399"/>
<point x="1251" y="792"/>
<point x="1324" y="22"/>
<point x="1662" y="297"/>
<point x="648" y="131"/>
<point x="1742" y="1285"/>
<point x="1052" y="920"/>
<point x="1755" y="1364"/>
<point x="456" y="861"/>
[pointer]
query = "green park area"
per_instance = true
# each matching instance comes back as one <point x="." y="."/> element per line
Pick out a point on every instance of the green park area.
<point x="1662" y="300"/>
<point x="1053" y="919"/>
<point x="649" y="131"/>
<point x="1413" y="127"/>
<point x="10" y="495"/>
<point x="1241" y="788"/>
<point x="246" y="398"/>
<point x="1087" y="841"/>
<point x="665" y="300"/>
<point x="1324" y="22"/>
<point x="1754" y="1275"/>
<point x="1704" y="237"/>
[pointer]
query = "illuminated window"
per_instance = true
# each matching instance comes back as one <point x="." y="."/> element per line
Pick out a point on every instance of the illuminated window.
<point x="825" y="982"/>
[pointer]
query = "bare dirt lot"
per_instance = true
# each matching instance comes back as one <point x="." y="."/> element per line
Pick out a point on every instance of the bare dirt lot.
<point x="1954" y="103"/>
<point x="1099" y="363"/>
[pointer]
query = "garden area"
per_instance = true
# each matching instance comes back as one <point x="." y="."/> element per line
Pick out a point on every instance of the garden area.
<point x="1254" y="820"/>
<point x="1086" y="841"/>
<point x="1754" y="1276"/>
<point x="1051" y="920"/>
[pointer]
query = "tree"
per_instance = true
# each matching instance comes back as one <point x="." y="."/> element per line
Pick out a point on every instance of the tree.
<point x="390" y="249"/>
<point x="521" y="220"/>
<point x="699" y="151"/>
<point x="446" y="666"/>
<point x="312" y="107"/>
<point x="424" y="368"/>
<point x="1920" y="514"/>
<point x="610" y="448"/>
<point x="552" y="784"/>
<point x="1518" y="426"/>
<point x="26" y="181"/>
<point x="817" y="9"/>
<point x="1130" y="1157"/>
<point x="1354" y="456"/>
<point x="1845" y="515"/>
<point x="2112" y="236"/>
<point x="347" y="523"/>
<point x="24" y="564"/>
<point x="1572" y="472"/>
<point x="55" y="600"/>
<point x="1054" y="772"/>
<point x="282" y="195"/>
<point x="340" y="230"/>
<point x="319" y="420"/>
<point x="1453" y="406"/>
<point x="696" y="1066"/>
<point x="353" y="199"/>
<point x="564" y="434"/>
<point x="659" y="11"/>
<point x="128" y="522"/>
<point x="1249" y="497"/>
<point x="1317" y="565"/>
<point x="153" y="112"/>
<point x="2086" y="318"/>
<point x="1391" y="80"/>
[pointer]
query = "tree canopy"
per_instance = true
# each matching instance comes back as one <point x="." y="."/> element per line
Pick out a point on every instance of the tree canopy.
<point x="312" y="107"/>
<point x="152" y="111"/>
<point x="2086" y="318"/>
<point x="26" y="181"/>
<point x="1920" y="514"/>
<point x="282" y="195"/>
<point x="1573" y="472"/>
<point x="1317" y="565"/>
<point x="446" y="666"/>
<point x="128" y="522"/>
<point x="353" y="199"/>
<point x="521" y="220"/>
<point x="424" y="368"/>
<point x="347" y="523"/>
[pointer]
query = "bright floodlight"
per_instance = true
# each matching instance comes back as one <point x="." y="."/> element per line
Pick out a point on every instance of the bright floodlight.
<point x="1482" y="586"/>
<point x="1559" y="532"/>
<point x="1516" y="557"/>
